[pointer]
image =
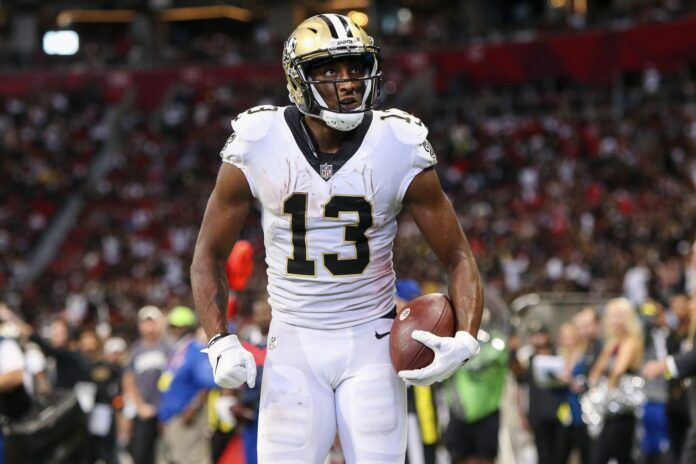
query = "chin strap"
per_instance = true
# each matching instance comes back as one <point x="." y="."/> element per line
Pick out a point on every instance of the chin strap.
<point x="341" y="121"/>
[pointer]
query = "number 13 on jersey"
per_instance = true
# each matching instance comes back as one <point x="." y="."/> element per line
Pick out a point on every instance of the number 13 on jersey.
<point x="295" y="206"/>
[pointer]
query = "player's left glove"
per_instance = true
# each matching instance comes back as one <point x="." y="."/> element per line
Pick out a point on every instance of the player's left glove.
<point x="450" y="354"/>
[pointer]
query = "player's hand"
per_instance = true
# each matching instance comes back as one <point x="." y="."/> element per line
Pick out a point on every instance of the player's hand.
<point x="450" y="354"/>
<point x="232" y="364"/>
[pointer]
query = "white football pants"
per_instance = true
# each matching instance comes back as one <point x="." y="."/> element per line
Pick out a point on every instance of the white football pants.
<point x="316" y="382"/>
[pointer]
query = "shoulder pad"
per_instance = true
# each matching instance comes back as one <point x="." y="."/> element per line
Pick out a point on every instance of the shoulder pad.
<point x="407" y="128"/>
<point x="253" y="124"/>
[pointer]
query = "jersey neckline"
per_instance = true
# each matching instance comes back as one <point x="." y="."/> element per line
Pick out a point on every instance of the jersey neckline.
<point x="322" y="164"/>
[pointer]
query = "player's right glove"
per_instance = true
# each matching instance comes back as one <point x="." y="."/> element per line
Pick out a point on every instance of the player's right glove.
<point x="450" y="354"/>
<point x="232" y="364"/>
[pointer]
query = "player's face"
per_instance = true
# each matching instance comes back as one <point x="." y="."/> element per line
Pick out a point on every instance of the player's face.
<point x="347" y="94"/>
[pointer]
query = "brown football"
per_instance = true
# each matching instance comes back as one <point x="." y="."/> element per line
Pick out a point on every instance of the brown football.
<point x="434" y="313"/>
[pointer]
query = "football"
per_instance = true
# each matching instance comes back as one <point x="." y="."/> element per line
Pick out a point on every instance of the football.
<point x="432" y="312"/>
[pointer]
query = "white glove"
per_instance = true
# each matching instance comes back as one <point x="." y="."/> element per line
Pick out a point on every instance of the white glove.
<point x="450" y="354"/>
<point x="232" y="364"/>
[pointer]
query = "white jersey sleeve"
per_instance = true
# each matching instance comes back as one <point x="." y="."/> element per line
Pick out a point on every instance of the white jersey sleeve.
<point x="248" y="128"/>
<point x="412" y="133"/>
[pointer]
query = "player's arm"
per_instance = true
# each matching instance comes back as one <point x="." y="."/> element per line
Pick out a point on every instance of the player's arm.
<point x="224" y="217"/>
<point x="438" y="223"/>
<point x="436" y="219"/>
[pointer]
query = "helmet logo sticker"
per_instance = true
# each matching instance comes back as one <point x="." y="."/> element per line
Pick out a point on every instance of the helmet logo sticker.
<point x="289" y="51"/>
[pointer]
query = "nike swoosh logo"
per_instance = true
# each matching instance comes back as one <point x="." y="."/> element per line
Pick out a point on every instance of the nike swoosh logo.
<point x="217" y="363"/>
<point x="380" y="336"/>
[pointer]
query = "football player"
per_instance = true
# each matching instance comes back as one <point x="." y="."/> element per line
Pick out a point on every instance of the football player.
<point x="331" y="173"/>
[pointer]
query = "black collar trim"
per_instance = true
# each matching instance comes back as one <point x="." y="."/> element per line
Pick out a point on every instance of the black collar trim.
<point x="335" y="160"/>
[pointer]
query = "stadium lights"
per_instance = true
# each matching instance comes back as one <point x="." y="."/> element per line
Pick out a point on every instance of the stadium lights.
<point x="580" y="7"/>
<point x="67" y="17"/>
<point x="345" y="5"/>
<point x="404" y="15"/>
<point x="360" y="18"/>
<point x="206" y="12"/>
<point x="61" y="42"/>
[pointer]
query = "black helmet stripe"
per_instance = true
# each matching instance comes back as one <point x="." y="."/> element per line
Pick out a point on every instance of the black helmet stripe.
<point x="328" y="22"/>
<point x="345" y="25"/>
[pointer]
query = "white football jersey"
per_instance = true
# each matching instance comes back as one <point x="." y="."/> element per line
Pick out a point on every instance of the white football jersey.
<point x="329" y="221"/>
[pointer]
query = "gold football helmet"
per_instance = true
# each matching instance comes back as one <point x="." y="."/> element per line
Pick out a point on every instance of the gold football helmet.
<point x="326" y="37"/>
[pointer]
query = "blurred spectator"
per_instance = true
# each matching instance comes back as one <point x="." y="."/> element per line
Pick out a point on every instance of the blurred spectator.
<point x="677" y="405"/>
<point x="589" y="330"/>
<point x="39" y="384"/>
<point x="573" y="433"/>
<point x="682" y="366"/>
<point x="655" y="440"/>
<point x="115" y="354"/>
<point x="71" y="366"/>
<point x="690" y="272"/>
<point x="115" y="351"/>
<point x="622" y="354"/>
<point x="148" y="359"/>
<point x="636" y="282"/>
<point x="106" y="378"/>
<point x="474" y="394"/>
<point x="542" y="403"/>
<point x="14" y="401"/>
<point x="221" y="420"/>
<point x="184" y="386"/>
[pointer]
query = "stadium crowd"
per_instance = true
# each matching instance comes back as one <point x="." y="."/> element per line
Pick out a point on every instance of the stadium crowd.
<point x="559" y="188"/>
<point x="48" y="140"/>
<point x="556" y="189"/>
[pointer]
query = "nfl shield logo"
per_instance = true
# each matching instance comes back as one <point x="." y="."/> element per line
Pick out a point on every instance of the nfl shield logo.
<point x="326" y="170"/>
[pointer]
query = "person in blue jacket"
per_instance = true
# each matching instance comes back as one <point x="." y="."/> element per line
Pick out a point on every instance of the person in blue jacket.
<point x="184" y="386"/>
